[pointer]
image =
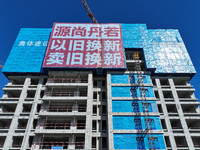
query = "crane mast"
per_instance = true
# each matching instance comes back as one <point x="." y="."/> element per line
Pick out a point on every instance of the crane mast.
<point x="89" y="13"/>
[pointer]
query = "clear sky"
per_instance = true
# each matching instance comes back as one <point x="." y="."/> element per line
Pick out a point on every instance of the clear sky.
<point x="183" y="15"/>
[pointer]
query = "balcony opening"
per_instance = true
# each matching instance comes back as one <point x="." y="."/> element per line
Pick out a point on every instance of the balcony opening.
<point x="171" y="108"/>
<point x="104" y="111"/>
<point x="167" y="94"/>
<point x="69" y="79"/>
<point x="72" y="92"/>
<point x="34" y="123"/>
<point x="175" y="124"/>
<point x="179" y="82"/>
<point x="57" y="124"/>
<point x="44" y="81"/>
<point x="94" y="143"/>
<point x="41" y="94"/>
<point x="156" y="94"/>
<point x="163" y="124"/>
<point x="9" y="108"/>
<point x="22" y="123"/>
<point x="14" y="94"/>
<point x="80" y="124"/>
<point x="95" y="95"/>
<point x="53" y="142"/>
<point x="154" y="82"/>
<point x="104" y="125"/>
<point x="193" y="123"/>
<point x="95" y="84"/>
<point x="2" y="140"/>
<point x="80" y="142"/>
<point x="94" y="125"/>
<point x="189" y="108"/>
<point x="38" y="108"/>
<point x="167" y="141"/>
<point x="160" y="108"/>
<point x="5" y="124"/>
<point x="103" y="83"/>
<point x="31" y="93"/>
<point x="81" y="108"/>
<point x="104" y="142"/>
<point x="30" y="141"/>
<point x="103" y="95"/>
<point x="60" y="107"/>
<point x="27" y="108"/>
<point x="164" y="82"/>
<point x="196" y="141"/>
<point x="18" y="81"/>
<point x="17" y="141"/>
<point x="184" y="94"/>
<point x="94" y="110"/>
<point x="180" y="141"/>
<point x="34" y="81"/>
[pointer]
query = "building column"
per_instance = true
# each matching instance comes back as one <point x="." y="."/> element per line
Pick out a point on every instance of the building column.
<point x="18" y="110"/>
<point x="88" y="128"/>
<point x="166" y="116"/>
<point x="33" y="112"/>
<point x="181" y="115"/>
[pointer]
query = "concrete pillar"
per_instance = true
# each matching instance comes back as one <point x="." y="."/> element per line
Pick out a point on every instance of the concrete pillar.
<point x="181" y="115"/>
<point x="109" y="113"/>
<point x="18" y="110"/>
<point x="88" y="128"/>
<point x="167" y="120"/>
<point x="32" y="113"/>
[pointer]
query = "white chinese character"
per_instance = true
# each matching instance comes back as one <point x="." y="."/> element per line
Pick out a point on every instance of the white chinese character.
<point x="94" y="58"/>
<point x="37" y="43"/>
<point x="29" y="43"/>
<point x="45" y="43"/>
<point x="112" y="59"/>
<point x="55" y="58"/>
<point x="79" y="45"/>
<point x="111" y="45"/>
<point x="77" y="58"/>
<point x="95" y="45"/>
<point x="59" y="45"/>
<point x="22" y="43"/>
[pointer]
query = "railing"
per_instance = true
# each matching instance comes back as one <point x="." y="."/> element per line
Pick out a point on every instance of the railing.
<point x="180" y="145"/>
<point x="64" y="145"/>
<point x="63" y="109"/>
<point x="194" y="127"/>
<point x="61" y="125"/>
<point x="4" y="127"/>
<point x="189" y="112"/>
<point x="67" y="80"/>
<point x="16" y="145"/>
<point x="67" y="93"/>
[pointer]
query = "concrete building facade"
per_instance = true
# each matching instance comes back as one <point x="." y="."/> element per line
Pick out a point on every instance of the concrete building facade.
<point x="148" y="105"/>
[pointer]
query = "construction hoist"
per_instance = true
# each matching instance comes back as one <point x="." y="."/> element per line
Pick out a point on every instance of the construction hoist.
<point x="145" y="105"/>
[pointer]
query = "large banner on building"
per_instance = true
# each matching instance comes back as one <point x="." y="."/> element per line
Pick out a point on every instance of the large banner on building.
<point x="85" y="46"/>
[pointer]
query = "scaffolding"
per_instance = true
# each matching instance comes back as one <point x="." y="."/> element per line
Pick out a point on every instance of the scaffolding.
<point x="143" y="92"/>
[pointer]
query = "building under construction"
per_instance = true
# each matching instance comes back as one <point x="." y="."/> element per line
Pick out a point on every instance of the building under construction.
<point x="99" y="87"/>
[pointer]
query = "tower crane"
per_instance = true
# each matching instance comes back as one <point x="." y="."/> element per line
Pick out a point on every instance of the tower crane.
<point x="1" y="64"/>
<point x="89" y="13"/>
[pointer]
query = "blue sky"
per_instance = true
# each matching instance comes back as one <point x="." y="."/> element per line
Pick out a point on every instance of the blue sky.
<point x="183" y="15"/>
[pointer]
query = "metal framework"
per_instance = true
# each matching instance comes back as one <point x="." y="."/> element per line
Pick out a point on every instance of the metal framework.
<point x="89" y="13"/>
<point x="142" y="133"/>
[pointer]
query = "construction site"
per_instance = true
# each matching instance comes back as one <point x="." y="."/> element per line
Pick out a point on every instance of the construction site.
<point x="95" y="86"/>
